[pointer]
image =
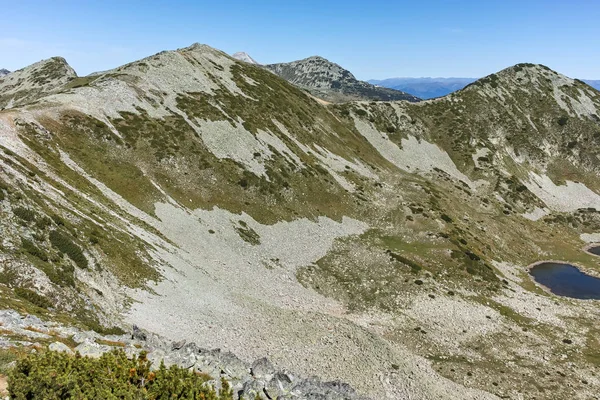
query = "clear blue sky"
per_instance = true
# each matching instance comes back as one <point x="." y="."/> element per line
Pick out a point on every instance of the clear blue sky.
<point x="373" y="39"/>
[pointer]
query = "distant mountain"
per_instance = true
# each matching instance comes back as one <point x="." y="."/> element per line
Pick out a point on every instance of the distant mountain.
<point x="425" y="88"/>
<point x="429" y="88"/>
<point x="594" y="84"/>
<point x="30" y="83"/>
<point x="245" y="57"/>
<point x="4" y="72"/>
<point x="331" y="82"/>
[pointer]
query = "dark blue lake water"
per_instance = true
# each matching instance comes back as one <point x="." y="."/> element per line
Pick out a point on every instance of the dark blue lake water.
<point x="566" y="280"/>
<point x="594" y="250"/>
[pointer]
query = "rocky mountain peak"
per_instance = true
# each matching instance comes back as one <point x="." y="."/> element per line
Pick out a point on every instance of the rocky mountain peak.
<point x="331" y="82"/>
<point x="30" y="83"/>
<point x="4" y="72"/>
<point x="245" y="57"/>
<point x="541" y="86"/>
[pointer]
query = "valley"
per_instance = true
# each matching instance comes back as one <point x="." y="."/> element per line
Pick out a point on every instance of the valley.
<point x="384" y="244"/>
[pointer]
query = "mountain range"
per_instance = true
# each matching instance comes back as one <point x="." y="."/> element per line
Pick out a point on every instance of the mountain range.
<point x="425" y="88"/>
<point x="429" y="88"/>
<point x="592" y="83"/>
<point x="384" y="244"/>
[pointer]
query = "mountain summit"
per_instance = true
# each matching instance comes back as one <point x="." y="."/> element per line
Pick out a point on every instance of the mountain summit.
<point x="331" y="82"/>
<point x="245" y="57"/>
<point x="4" y="72"/>
<point x="32" y="82"/>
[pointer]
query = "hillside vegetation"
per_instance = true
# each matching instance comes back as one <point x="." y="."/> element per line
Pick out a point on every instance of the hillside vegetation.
<point x="383" y="243"/>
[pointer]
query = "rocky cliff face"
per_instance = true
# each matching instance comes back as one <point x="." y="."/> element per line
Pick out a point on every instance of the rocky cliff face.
<point x="331" y="82"/>
<point x="383" y="244"/>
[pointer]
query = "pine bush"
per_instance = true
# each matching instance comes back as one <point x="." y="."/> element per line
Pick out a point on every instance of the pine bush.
<point x="52" y="376"/>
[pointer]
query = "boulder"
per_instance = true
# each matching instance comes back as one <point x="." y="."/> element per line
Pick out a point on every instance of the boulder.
<point x="262" y="369"/>
<point x="92" y="349"/>
<point x="279" y="386"/>
<point x="138" y="334"/>
<point x="253" y="389"/>
<point x="60" y="347"/>
<point x="177" y="345"/>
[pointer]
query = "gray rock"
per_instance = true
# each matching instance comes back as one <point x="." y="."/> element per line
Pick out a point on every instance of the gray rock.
<point x="315" y="389"/>
<point x="279" y="386"/>
<point x="32" y="320"/>
<point x="209" y="367"/>
<point x="183" y="360"/>
<point x="178" y="345"/>
<point x="60" y="347"/>
<point x="232" y="367"/>
<point x="92" y="349"/>
<point x="138" y="334"/>
<point x="262" y="369"/>
<point x="82" y="337"/>
<point x="253" y="389"/>
<point x="190" y="348"/>
<point x="155" y="357"/>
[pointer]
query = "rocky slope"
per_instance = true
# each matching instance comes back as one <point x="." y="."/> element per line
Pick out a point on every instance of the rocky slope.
<point x="4" y="72"/>
<point x="383" y="244"/>
<point x="329" y="81"/>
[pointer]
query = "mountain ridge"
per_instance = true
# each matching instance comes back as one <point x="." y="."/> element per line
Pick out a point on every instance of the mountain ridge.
<point x="137" y="196"/>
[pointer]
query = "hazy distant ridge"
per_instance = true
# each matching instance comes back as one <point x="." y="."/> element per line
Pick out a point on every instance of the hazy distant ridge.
<point x="428" y="88"/>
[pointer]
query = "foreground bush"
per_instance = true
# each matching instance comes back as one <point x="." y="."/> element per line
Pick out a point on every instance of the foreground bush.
<point x="52" y="375"/>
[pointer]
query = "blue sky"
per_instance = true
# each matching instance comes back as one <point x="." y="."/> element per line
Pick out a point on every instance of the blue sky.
<point x="373" y="39"/>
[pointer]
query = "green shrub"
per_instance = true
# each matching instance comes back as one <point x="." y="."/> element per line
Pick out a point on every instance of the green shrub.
<point x="24" y="213"/>
<point x="32" y="249"/>
<point x="562" y="121"/>
<point x="248" y="235"/>
<point x="61" y="275"/>
<point x="446" y="218"/>
<point x="58" y="220"/>
<point x="51" y="375"/>
<point x="33" y="297"/>
<point x="66" y="246"/>
<point x="414" y="267"/>
<point x="43" y="223"/>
